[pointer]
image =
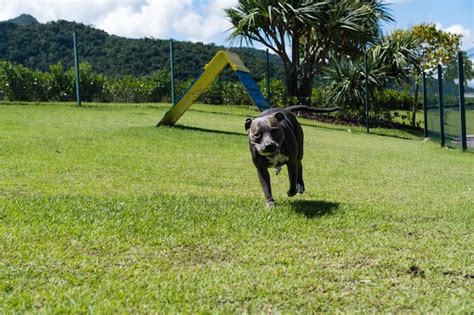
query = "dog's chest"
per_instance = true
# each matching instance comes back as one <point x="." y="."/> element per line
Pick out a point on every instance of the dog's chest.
<point x="277" y="160"/>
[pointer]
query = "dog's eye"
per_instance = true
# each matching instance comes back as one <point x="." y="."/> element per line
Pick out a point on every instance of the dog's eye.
<point x="256" y="135"/>
<point x="274" y="131"/>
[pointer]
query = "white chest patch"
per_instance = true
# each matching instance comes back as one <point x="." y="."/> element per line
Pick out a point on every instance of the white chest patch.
<point x="278" y="159"/>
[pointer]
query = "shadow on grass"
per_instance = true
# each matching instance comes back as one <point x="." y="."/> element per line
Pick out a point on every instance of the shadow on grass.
<point x="210" y="130"/>
<point x="411" y="133"/>
<point x="314" y="208"/>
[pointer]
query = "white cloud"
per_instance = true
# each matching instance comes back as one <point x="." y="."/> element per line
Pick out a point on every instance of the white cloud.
<point x="51" y="10"/>
<point x="153" y="18"/>
<point x="205" y="23"/>
<point x="467" y="40"/>
<point x="195" y="20"/>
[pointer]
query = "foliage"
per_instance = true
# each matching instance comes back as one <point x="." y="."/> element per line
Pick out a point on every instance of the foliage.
<point x="60" y="83"/>
<point x="91" y="85"/>
<point x="390" y="99"/>
<point x="387" y="61"/>
<point x="306" y="33"/>
<point x="160" y="82"/>
<point x="435" y="46"/>
<point x="22" y="84"/>
<point x="278" y="97"/>
<point x="451" y="72"/>
<point x="394" y="55"/>
<point x="22" y="19"/>
<point x="37" y="46"/>
<point x="18" y="83"/>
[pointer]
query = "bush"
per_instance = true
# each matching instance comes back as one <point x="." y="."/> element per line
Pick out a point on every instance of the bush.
<point x="234" y="93"/>
<point x="226" y="92"/>
<point x="130" y="90"/>
<point x="22" y="84"/>
<point x="389" y="99"/>
<point x="213" y="94"/>
<point x="278" y="92"/>
<point x="60" y="84"/>
<point x="91" y="84"/>
<point x="160" y="84"/>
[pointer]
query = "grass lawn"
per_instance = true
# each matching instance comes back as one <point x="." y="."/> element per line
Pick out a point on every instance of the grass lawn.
<point x="102" y="212"/>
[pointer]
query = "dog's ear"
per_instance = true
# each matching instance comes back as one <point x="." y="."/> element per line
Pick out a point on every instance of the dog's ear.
<point x="279" y="116"/>
<point x="248" y="122"/>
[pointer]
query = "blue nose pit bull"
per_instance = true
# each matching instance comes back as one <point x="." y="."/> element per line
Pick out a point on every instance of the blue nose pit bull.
<point x="276" y="139"/>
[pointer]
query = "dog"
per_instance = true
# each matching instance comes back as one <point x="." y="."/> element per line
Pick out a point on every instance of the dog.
<point x="275" y="139"/>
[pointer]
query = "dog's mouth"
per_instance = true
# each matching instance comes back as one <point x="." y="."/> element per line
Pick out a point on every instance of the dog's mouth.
<point x="269" y="153"/>
<point x="266" y="153"/>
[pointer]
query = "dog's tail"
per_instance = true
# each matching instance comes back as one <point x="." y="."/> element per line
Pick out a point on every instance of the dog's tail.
<point x="305" y="108"/>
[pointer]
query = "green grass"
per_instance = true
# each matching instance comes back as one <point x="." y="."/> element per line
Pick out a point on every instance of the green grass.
<point x="102" y="212"/>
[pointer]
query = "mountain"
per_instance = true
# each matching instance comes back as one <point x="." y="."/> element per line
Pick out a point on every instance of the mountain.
<point x="38" y="46"/>
<point x="23" y="19"/>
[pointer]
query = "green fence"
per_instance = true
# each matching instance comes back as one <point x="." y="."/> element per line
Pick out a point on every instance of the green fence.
<point x="449" y="111"/>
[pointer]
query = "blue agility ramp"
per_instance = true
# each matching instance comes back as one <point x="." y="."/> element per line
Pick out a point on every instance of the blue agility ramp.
<point x="211" y="71"/>
<point x="253" y="89"/>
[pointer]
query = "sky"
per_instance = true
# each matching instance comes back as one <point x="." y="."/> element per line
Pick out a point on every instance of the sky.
<point x="205" y="21"/>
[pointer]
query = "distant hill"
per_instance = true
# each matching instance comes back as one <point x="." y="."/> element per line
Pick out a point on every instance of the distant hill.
<point x="38" y="46"/>
<point x="23" y="19"/>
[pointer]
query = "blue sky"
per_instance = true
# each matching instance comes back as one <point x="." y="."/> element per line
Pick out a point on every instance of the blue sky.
<point x="204" y="20"/>
<point x="452" y="15"/>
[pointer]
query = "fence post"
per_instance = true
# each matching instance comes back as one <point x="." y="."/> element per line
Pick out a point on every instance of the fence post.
<point x="269" y="92"/>
<point x="462" y="108"/>
<point x="366" y="101"/>
<point x="76" y="69"/>
<point x="425" y="106"/>
<point x="173" y="91"/>
<point x="441" y="106"/>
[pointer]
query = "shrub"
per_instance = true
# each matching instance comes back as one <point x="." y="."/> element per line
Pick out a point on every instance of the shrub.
<point x="22" y="84"/>
<point x="278" y="90"/>
<point x="130" y="90"/>
<point x="389" y="99"/>
<point x="91" y="85"/>
<point x="160" y="84"/>
<point x="60" y="84"/>
<point x="213" y="94"/>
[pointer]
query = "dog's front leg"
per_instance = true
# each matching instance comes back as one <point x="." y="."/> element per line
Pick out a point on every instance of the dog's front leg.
<point x="293" y="176"/>
<point x="264" y="178"/>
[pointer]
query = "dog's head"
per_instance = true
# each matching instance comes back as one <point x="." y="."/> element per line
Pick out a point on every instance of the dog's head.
<point x="266" y="133"/>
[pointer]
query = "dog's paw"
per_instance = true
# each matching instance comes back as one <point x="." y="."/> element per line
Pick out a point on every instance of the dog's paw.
<point x="270" y="203"/>
<point x="300" y="188"/>
<point x="277" y="170"/>
<point x="291" y="193"/>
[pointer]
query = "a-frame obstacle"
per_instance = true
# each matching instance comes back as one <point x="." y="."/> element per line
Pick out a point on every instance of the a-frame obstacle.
<point x="211" y="71"/>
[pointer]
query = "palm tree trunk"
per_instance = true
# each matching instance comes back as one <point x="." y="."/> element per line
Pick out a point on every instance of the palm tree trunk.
<point x="305" y="90"/>
<point x="298" y="88"/>
<point x="291" y="86"/>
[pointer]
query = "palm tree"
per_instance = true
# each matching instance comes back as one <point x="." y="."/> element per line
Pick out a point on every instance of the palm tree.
<point x="305" y="33"/>
<point x="389" y="59"/>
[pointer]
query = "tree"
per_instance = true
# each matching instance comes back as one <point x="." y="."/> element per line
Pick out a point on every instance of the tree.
<point x="305" y="33"/>
<point x="451" y="72"/>
<point x="388" y="59"/>
<point x="435" y="47"/>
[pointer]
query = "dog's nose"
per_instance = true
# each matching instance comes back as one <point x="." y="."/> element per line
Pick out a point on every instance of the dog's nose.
<point x="270" y="146"/>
